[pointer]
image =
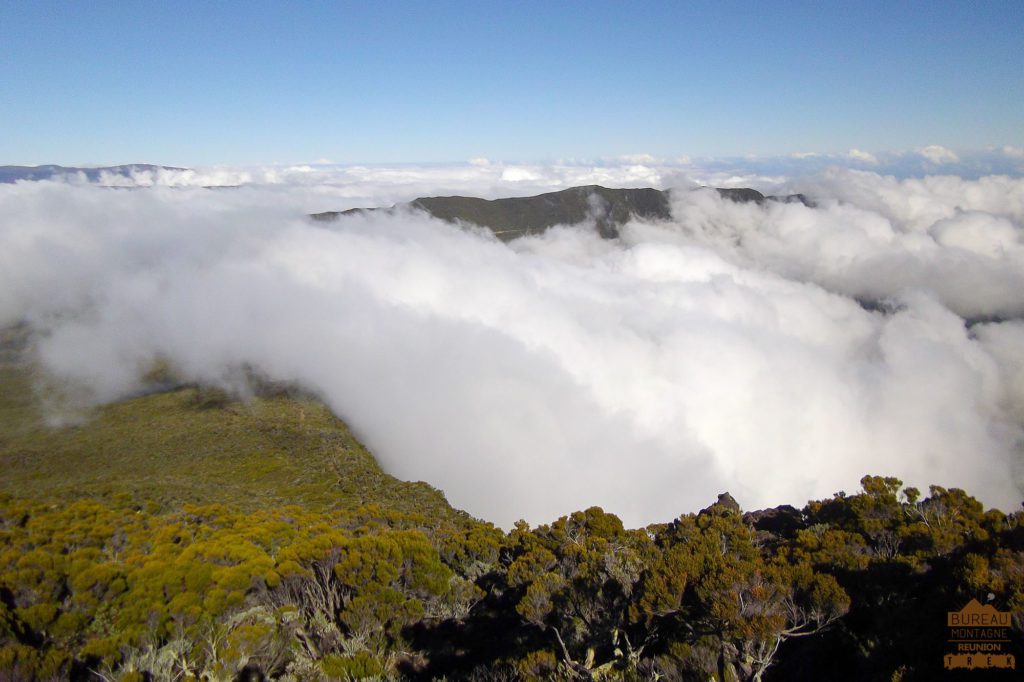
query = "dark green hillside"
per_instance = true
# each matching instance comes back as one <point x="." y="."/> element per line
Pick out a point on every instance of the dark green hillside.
<point x="514" y="217"/>
<point x="518" y="216"/>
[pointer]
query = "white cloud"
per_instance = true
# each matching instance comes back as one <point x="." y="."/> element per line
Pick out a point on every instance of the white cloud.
<point x="639" y="159"/>
<point x="722" y="351"/>
<point x="862" y="156"/>
<point x="1013" y="152"/>
<point x="938" y="154"/>
<point x="520" y="175"/>
<point x="875" y="237"/>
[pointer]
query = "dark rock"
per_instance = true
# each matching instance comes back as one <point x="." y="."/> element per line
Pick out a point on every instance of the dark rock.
<point x="741" y="195"/>
<point x="728" y="501"/>
<point x="793" y="199"/>
<point x="745" y="195"/>
<point x="726" y="504"/>
<point x="782" y="522"/>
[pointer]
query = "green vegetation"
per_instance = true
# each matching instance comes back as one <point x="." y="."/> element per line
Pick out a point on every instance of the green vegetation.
<point x="199" y="446"/>
<point x="849" y="588"/>
<point x="186" y="535"/>
<point x="518" y="216"/>
<point x="514" y="217"/>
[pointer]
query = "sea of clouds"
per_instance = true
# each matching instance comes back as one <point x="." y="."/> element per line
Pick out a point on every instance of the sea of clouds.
<point x="776" y="351"/>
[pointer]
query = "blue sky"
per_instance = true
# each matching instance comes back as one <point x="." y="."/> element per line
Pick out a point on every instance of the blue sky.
<point x="249" y="83"/>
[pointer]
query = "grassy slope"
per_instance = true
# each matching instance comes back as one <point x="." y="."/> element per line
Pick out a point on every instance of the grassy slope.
<point x="196" y="446"/>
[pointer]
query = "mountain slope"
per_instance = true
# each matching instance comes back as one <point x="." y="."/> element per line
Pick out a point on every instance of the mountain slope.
<point x="514" y="217"/>
<point x="518" y="216"/>
<point x="193" y="445"/>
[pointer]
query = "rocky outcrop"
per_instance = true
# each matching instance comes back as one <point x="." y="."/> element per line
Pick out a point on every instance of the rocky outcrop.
<point x="744" y="195"/>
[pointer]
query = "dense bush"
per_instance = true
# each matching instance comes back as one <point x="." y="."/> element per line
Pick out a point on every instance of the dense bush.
<point x="852" y="587"/>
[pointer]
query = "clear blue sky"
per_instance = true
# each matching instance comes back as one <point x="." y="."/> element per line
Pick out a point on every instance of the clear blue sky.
<point x="195" y="83"/>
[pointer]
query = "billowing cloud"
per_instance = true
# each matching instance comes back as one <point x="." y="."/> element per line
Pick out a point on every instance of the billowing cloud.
<point x="723" y="350"/>
<point x="875" y="238"/>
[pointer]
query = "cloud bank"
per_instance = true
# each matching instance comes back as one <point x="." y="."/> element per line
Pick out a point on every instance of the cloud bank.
<point x="727" y="349"/>
<point x="326" y="183"/>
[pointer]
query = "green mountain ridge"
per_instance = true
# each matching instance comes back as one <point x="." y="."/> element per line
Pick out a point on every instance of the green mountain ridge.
<point x="514" y="217"/>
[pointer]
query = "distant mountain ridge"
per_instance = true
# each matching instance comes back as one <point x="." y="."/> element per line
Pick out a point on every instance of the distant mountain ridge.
<point x="11" y="174"/>
<point x="518" y="216"/>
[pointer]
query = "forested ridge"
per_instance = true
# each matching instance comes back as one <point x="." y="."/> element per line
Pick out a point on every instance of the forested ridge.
<point x="852" y="587"/>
